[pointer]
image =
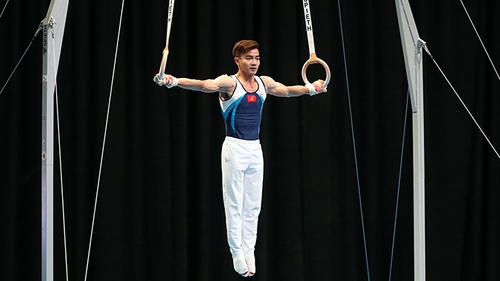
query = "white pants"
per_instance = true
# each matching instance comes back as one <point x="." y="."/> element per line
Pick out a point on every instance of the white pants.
<point x="242" y="176"/>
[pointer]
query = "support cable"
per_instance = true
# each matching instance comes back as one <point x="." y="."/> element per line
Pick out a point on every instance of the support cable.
<point x="396" y="212"/>
<point x="104" y="141"/>
<point x="59" y="146"/>
<point x="461" y="101"/>
<point x="480" y="40"/>
<point x="354" y="144"/>
<point x="19" y="62"/>
<point x="4" y="7"/>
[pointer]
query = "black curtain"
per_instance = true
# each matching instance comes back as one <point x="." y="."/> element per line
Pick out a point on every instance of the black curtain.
<point x="160" y="213"/>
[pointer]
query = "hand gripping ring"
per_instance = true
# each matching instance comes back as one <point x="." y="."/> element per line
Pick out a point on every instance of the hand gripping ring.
<point x="313" y="59"/>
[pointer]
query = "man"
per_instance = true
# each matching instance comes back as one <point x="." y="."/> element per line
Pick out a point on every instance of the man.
<point x="241" y="99"/>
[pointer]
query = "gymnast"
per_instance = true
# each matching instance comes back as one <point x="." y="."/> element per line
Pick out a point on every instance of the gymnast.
<point x="241" y="98"/>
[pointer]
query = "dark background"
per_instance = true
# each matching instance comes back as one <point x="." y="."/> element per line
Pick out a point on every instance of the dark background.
<point x="160" y="213"/>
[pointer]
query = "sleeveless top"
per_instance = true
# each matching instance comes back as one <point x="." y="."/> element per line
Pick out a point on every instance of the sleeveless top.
<point x="242" y="112"/>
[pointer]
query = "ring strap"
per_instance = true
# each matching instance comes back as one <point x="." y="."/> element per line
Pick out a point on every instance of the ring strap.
<point x="313" y="59"/>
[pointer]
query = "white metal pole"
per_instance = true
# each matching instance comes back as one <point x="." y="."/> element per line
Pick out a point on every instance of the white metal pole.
<point x="419" y="173"/>
<point x="53" y="32"/>
<point x="47" y="159"/>
<point x="412" y="49"/>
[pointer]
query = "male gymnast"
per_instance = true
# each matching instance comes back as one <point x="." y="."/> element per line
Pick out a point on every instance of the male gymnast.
<point x="241" y="98"/>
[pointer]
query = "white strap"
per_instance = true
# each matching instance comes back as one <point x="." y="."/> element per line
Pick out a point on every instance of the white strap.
<point x="309" y="26"/>
<point x="313" y="59"/>
<point x="165" y="52"/>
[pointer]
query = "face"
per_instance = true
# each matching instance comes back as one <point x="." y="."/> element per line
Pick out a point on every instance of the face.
<point x="248" y="63"/>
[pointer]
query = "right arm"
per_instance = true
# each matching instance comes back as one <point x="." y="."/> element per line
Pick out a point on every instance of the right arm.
<point x="221" y="84"/>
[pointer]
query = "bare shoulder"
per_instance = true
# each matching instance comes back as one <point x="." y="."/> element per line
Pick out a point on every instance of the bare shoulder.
<point x="268" y="80"/>
<point x="225" y="81"/>
<point x="269" y="83"/>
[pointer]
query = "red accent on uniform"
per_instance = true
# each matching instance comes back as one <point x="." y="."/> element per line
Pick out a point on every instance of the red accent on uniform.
<point x="251" y="98"/>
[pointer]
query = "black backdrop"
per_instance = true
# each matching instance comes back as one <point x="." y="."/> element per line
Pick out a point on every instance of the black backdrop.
<point x="160" y="213"/>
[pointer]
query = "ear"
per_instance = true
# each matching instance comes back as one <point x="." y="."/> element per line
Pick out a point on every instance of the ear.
<point x="237" y="60"/>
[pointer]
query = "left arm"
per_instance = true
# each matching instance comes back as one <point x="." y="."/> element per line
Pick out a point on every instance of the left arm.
<point x="278" y="89"/>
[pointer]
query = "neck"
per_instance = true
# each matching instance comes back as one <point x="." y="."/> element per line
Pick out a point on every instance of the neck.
<point x="245" y="78"/>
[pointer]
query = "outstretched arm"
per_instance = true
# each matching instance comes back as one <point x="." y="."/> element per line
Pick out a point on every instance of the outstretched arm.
<point x="221" y="84"/>
<point x="278" y="89"/>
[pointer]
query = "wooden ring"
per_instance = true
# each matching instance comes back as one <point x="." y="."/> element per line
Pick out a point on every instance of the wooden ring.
<point x="313" y="59"/>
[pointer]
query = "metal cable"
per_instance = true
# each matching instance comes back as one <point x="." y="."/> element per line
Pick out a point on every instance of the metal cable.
<point x="461" y="101"/>
<point x="354" y="144"/>
<point x="59" y="146"/>
<point x="396" y="212"/>
<point x="480" y="40"/>
<point x="19" y="62"/>
<point x="4" y="7"/>
<point x="104" y="141"/>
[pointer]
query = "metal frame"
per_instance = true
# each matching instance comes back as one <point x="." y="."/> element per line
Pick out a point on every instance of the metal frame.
<point x="53" y="32"/>
<point x="412" y="49"/>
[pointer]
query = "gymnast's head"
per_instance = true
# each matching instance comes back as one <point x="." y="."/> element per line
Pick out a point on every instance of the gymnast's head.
<point x="246" y="56"/>
<point x="244" y="46"/>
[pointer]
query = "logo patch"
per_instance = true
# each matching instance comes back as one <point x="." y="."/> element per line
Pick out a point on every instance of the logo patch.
<point x="251" y="98"/>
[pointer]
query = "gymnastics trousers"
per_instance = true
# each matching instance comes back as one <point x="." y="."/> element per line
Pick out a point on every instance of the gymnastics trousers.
<point x="242" y="176"/>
